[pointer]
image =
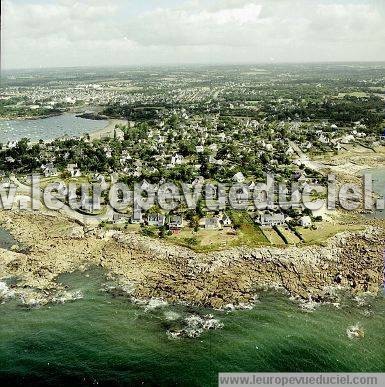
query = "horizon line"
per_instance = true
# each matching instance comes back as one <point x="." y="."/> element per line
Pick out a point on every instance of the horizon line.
<point x="191" y="64"/>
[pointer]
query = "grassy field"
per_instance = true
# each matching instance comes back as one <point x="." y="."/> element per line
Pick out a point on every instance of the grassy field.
<point x="291" y="238"/>
<point x="123" y="226"/>
<point x="204" y="240"/>
<point x="273" y="237"/>
<point x="245" y="233"/>
<point x="249" y="234"/>
<point x="324" y="231"/>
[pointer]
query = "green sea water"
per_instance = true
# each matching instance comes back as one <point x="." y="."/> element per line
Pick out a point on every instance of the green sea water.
<point x="108" y="340"/>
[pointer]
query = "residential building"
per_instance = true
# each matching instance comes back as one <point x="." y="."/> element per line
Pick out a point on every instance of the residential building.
<point x="271" y="220"/>
<point x="157" y="220"/>
<point x="305" y="221"/>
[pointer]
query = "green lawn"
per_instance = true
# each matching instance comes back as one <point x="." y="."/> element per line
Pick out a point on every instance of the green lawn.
<point x="249" y="234"/>
<point x="324" y="231"/>
<point x="245" y="233"/>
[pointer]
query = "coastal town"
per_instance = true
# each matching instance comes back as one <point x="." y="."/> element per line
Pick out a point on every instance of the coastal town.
<point x="192" y="193"/>
<point x="273" y="122"/>
<point x="223" y="140"/>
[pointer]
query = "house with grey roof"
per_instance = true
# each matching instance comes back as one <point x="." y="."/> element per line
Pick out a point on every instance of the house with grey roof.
<point x="157" y="220"/>
<point x="270" y="220"/>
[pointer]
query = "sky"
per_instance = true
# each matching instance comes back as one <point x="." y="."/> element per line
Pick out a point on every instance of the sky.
<point x="65" y="33"/>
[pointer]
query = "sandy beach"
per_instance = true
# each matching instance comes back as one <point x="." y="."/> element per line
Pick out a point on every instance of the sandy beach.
<point x="108" y="131"/>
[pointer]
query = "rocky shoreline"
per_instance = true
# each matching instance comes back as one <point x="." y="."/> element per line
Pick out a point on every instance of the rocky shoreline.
<point x="32" y="118"/>
<point x="145" y="268"/>
<point x="93" y="116"/>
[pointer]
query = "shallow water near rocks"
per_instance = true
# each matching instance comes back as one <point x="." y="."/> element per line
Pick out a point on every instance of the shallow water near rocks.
<point x="109" y="340"/>
<point x="6" y="239"/>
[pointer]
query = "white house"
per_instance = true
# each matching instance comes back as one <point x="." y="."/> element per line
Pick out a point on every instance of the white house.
<point x="290" y="151"/>
<point x="239" y="177"/>
<point x="271" y="219"/>
<point x="211" y="223"/>
<point x="175" y="223"/>
<point x="157" y="220"/>
<point x="12" y="144"/>
<point x="49" y="170"/>
<point x="74" y="170"/>
<point x="225" y="220"/>
<point x="10" y="159"/>
<point x="177" y="159"/>
<point x="305" y="221"/>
